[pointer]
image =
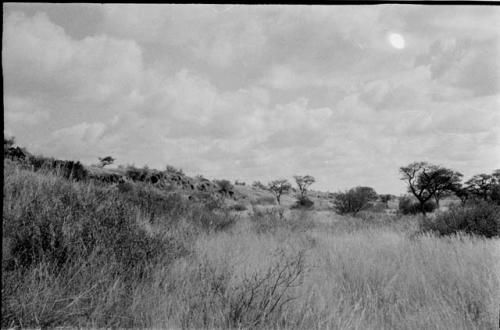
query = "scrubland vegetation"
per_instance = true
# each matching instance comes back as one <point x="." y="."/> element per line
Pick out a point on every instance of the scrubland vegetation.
<point x="85" y="253"/>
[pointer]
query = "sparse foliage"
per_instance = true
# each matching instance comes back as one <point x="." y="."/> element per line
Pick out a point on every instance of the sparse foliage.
<point x="279" y="187"/>
<point x="259" y="185"/>
<point x="303" y="183"/>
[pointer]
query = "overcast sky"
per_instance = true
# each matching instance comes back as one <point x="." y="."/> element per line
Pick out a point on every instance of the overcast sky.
<point x="347" y="94"/>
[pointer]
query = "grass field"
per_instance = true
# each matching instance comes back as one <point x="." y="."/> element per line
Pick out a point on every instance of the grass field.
<point x="109" y="260"/>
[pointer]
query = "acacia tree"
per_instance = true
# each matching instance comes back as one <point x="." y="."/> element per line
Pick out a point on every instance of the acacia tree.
<point x="303" y="182"/>
<point x="444" y="182"/>
<point x="481" y="185"/>
<point x="108" y="160"/>
<point x="485" y="186"/>
<point x="279" y="187"/>
<point x="426" y="181"/>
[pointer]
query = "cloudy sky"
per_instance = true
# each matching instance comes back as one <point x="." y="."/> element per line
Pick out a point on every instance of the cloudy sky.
<point x="347" y="94"/>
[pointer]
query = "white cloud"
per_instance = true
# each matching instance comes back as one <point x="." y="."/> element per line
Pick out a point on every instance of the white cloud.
<point x="254" y="93"/>
<point x="21" y="111"/>
<point x="43" y="59"/>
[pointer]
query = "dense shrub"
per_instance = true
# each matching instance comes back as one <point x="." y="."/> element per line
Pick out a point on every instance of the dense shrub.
<point x="224" y="186"/>
<point x="303" y="202"/>
<point x="137" y="174"/>
<point x="354" y="200"/>
<point x="49" y="219"/>
<point x="495" y="194"/>
<point x="409" y="206"/>
<point x="66" y="168"/>
<point x="238" y="207"/>
<point x="479" y="218"/>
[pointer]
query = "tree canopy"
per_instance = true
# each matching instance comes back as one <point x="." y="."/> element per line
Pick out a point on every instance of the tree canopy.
<point x="279" y="187"/>
<point x="303" y="183"/>
<point x="426" y="181"/>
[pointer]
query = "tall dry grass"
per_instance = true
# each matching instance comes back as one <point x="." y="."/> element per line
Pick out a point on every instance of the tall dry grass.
<point x="369" y="279"/>
<point x="201" y="268"/>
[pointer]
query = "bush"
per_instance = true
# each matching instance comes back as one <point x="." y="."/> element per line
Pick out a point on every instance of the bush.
<point x="209" y="213"/>
<point x="65" y="168"/>
<point x="49" y="219"/>
<point x="495" y="194"/>
<point x="137" y="174"/>
<point x="303" y="202"/>
<point x="479" y="218"/>
<point x="174" y="170"/>
<point x="238" y="207"/>
<point x="408" y="206"/>
<point x="224" y="186"/>
<point x="354" y="200"/>
<point x="259" y="185"/>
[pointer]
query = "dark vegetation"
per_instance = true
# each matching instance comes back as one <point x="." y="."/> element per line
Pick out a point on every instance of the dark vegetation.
<point x="478" y="218"/>
<point x="355" y="200"/>
<point x="104" y="161"/>
<point x="408" y="205"/>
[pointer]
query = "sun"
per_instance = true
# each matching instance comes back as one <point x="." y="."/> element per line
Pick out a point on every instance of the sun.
<point x="397" y="41"/>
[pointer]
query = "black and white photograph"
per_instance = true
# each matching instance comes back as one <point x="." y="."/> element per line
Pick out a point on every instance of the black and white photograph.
<point x="238" y="166"/>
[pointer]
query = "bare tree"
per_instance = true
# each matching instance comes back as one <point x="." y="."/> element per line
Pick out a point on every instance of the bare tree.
<point x="279" y="187"/>
<point x="303" y="182"/>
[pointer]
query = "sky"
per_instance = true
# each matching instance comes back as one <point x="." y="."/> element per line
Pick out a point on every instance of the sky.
<point x="347" y="94"/>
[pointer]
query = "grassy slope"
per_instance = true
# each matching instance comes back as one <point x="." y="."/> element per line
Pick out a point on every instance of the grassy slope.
<point x="332" y="271"/>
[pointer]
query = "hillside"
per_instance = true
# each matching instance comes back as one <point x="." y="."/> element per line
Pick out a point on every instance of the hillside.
<point x="135" y="254"/>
